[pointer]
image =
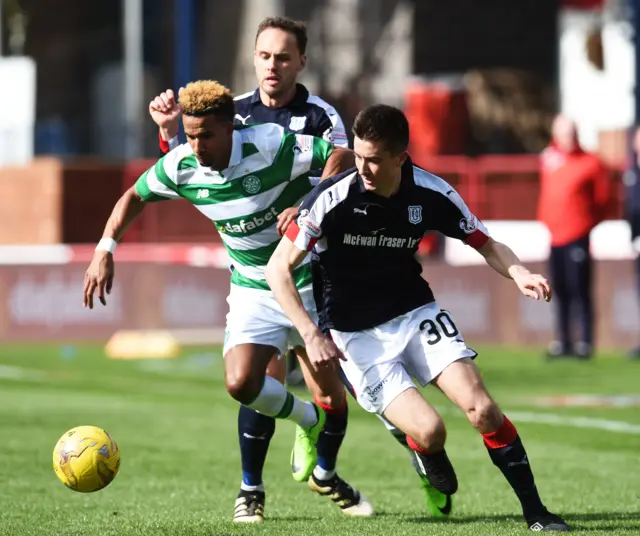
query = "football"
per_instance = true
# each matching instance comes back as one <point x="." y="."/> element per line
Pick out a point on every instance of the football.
<point x="86" y="459"/>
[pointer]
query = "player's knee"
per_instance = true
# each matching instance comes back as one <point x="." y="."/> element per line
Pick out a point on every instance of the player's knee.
<point x="327" y="391"/>
<point x="241" y="386"/>
<point x="485" y="415"/>
<point x="431" y="435"/>
<point x="334" y="400"/>
<point x="277" y="369"/>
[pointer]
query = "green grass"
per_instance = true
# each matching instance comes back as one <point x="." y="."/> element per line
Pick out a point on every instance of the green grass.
<point x="176" y="428"/>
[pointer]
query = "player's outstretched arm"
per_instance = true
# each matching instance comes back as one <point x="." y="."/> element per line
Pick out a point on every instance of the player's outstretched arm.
<point x="158" y="183"/>
<point x="504" y="261"/>
<point x="279" y="274"/>
<point x="99" y="275"/>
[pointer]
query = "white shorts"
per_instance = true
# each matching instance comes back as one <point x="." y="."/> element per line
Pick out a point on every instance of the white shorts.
<point x="382" y="361"/>
<point x="256" y="317"/>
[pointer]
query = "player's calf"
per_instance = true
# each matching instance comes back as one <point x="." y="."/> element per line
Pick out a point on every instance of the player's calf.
<point x="330" y="440"/>
<point x="483" y="413"/>
<point x="254" y="435"/>
<point x="508" y="454"/>
<point x="426" y="436"/>
<point x="326" y="386"/>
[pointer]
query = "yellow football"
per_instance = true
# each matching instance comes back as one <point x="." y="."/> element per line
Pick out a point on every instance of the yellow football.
<point x="86" y="459"/>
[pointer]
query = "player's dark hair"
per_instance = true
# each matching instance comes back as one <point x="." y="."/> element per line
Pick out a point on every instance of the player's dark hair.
<point x="295" y="27"/>
<point x="383" y="123"/>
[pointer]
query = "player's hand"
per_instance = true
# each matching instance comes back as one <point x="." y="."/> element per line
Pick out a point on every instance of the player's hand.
<point x="98" y="276"/>
<point x="285" y="218"/>
<point x="534" y="286"/>
<point x="323" y="352"/>
<point x="165" y="111"/>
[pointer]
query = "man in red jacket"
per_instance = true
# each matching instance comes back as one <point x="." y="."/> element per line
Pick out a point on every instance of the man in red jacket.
<point x="575" y="193"/>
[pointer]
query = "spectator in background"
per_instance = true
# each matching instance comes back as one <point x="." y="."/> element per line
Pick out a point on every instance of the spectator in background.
<point x="575" y="193"/>
<point x="632" y="209"/>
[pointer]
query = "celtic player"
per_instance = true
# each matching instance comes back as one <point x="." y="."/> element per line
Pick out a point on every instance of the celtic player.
<point x="243" y="178"/>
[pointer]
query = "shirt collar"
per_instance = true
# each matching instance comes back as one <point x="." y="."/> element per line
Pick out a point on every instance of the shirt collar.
<point x="301" y="96"/>
<point x="256" y="96"/>
<point x="236" y="149"/>
<point x="407" y="175"/>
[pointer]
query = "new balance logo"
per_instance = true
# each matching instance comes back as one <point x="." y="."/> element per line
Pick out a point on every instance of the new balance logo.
<point x="361" y="210"/>
<point x="202" y="194"/>
<point x="524" y="461"/>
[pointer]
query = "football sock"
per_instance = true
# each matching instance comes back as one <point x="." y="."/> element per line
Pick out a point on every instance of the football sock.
<point x="507" y="454"/>
<point x="275" y="401"/>
<point x="436" y="466"/>
<point x="323" y="474"/>
<point x="254" y="433"/>
<point x="246" y="487"/>
<point x="331" y="438"/>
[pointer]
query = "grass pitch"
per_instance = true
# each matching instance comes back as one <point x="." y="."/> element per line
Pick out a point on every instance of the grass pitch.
<point x="180" y="472"/>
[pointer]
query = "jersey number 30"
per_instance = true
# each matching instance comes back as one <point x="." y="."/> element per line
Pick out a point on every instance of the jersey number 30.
<point x="445" y="324"/>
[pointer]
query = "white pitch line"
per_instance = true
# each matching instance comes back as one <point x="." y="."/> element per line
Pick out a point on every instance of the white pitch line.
<point x="576" y="422"/>
<point x="555" y="419"/>
<point x="8" y="372"/>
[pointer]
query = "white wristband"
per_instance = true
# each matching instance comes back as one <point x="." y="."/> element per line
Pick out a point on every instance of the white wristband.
<point x="107" y="244"/>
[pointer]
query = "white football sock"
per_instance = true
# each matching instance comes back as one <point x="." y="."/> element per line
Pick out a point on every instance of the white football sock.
<point x="303" y="413"/>
<point x="322" y="474"/>
<point x="247" y="487"/>
<point x="275" y="401"/>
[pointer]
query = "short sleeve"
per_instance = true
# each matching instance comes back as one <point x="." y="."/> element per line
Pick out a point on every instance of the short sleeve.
<point x="332" y="128"/>
<point x="158" y="183"/>
<point x="454" y="219"/>
<point x="305" y="231"/>
<point x="319" y="149"/>
<point x="309" y="226"/>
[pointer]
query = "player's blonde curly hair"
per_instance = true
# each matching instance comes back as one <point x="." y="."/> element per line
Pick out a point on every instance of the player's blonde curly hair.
<point x="205" y="97"/>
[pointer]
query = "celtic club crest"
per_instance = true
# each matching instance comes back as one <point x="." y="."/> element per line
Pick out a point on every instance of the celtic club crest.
<point x="251" y="184"/>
